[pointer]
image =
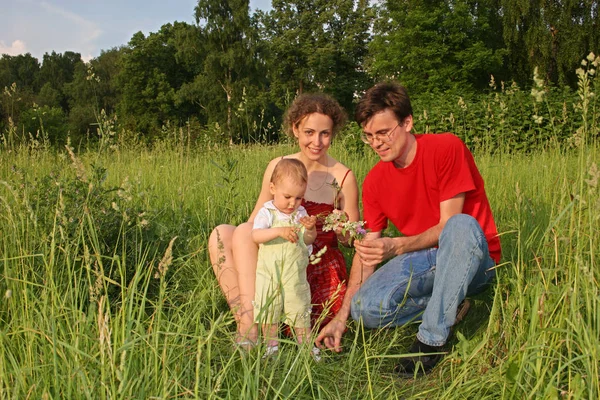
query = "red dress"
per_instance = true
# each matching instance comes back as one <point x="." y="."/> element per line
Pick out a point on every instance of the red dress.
<point x="328" y="278"/>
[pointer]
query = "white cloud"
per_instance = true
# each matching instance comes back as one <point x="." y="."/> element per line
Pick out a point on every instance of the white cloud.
<point x="15" y="48"/>
<point x="89" y="27"/>
<point x="80" y="32"/>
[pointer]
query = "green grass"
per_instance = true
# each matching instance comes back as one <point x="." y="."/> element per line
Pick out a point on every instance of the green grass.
<point x="106" y="290"/>
<point x="84" y="312"/>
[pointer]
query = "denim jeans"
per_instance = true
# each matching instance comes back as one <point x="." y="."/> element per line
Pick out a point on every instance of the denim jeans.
<point x="428" y="285"/>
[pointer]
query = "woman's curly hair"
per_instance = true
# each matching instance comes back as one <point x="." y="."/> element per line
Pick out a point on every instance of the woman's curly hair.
<point x="309" y="103"/>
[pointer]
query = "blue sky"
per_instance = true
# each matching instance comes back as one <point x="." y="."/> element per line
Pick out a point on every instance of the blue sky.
<point x="86" y="26"/>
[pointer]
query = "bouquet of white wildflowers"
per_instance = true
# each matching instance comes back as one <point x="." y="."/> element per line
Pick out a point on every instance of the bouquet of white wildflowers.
<point x="333" y="221"/>
<point x="355" y="230"/>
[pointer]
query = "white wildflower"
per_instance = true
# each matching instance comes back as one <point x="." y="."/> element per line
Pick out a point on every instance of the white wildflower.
<point x="492" y="82"/>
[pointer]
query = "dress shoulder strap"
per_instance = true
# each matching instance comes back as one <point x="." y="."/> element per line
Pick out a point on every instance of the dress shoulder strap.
<point x="345" y="175"/>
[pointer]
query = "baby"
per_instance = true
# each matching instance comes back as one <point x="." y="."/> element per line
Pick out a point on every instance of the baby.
<point x="284" y="232"/>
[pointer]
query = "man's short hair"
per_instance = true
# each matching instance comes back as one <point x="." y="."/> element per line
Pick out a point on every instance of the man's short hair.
<point x="383" y="95"/>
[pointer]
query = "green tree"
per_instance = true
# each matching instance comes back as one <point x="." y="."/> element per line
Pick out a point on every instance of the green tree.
<point x="49" y="96"/>
<point x="22" y="70"/>
<point x="48" y="125"/>
<point x="229" y="61"/>
<point x="348" y="28"/>
<point x="93" y="89"/>
<point x="57" y="70"/>
<point x="106" y="69"/>
<point x="430" y="45"/>
<point x="551" y="35"/>
<point x="317" y="45"/>
<point x="83" y="100"/>
<point x="149" y="77"/>
<point x="18" y="85"/>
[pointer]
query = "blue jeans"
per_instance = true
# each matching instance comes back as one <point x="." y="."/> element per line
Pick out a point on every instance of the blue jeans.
<point x="428" y="285"/>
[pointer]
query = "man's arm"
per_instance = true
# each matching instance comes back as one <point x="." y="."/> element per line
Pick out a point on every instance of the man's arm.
<point x="374" y="249"/>
<point x="331" y="334"/>
<point x="372" y="252"/>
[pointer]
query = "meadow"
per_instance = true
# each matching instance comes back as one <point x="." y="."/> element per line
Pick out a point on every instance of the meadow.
<point x="99" y="302"/>
<point x="107" y="291"/>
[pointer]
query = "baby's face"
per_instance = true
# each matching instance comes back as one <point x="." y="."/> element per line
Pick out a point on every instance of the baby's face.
<point x="287" y="195"/>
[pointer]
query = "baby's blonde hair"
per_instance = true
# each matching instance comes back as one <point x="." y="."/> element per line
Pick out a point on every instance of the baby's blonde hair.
<point x="292" y="168"/>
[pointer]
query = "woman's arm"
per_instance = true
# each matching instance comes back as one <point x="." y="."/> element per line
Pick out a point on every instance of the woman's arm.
<point x="265" y="193"/>
<point x="310" y="228"/>
<point x="349" y="198"/>
<point x="349" y="204"/>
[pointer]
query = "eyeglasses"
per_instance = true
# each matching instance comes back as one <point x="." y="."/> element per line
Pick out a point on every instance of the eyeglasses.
<point x="368" y="138"/>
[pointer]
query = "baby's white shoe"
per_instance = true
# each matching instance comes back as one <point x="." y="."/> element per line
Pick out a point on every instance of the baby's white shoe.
<point x="271" y="351"/>
<point x="316" y="354"/>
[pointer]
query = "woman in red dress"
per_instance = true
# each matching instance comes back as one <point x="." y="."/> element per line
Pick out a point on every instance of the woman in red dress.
<point x="314" y="120"/>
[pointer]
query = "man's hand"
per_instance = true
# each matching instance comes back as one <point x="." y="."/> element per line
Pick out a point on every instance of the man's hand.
<point x="331" y="335"/>
<point x="289" y="233"/>
<point x="374" y="251"/>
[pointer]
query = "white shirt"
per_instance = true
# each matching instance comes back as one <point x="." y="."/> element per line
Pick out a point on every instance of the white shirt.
<point x="264" y="218"/>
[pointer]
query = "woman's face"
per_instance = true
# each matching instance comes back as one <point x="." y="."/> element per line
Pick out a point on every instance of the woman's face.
<point x="314" y="134"/>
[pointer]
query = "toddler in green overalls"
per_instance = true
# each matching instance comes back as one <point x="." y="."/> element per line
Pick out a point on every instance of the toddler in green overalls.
<point x="284" y="232"/>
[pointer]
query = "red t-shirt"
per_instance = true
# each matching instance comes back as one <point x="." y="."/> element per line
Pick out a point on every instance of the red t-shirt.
<point x="410" y="197"/>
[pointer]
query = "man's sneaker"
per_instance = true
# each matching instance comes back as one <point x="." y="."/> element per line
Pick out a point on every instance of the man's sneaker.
<point x="423" y="364"/>
<point x="425" y="359"/>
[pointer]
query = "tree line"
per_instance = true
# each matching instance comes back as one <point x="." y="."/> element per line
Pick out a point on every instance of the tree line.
<point x="233" y="72"/>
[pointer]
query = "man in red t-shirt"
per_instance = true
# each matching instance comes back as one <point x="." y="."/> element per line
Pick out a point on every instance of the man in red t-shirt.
<point x="429" y="187"/>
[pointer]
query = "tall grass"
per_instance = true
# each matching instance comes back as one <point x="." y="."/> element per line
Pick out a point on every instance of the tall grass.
<point x="107" y="291"/>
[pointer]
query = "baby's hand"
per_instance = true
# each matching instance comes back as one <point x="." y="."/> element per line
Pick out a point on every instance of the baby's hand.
<point x="289" y="233"/>
<point x="308" y="222"/>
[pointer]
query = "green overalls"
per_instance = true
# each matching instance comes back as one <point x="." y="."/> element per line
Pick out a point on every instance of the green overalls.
<point x="281" y="281"/>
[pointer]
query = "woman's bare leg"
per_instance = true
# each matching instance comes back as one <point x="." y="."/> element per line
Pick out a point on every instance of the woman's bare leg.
<point x="245" y="256"/>
<point x="221" y="259"/>
<point x="228" y="244"/>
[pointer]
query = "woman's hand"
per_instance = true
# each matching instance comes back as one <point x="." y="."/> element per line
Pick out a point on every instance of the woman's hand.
<point x="343" y="216"/>
<point x="343" y="239"/>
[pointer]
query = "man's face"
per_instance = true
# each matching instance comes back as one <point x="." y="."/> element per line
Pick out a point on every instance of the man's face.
<point x="391" y="139"/>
